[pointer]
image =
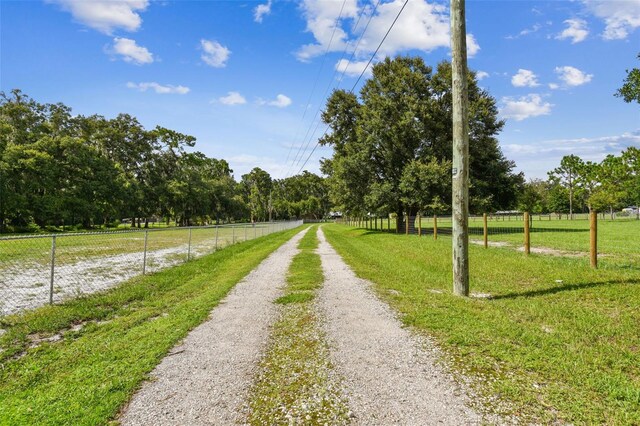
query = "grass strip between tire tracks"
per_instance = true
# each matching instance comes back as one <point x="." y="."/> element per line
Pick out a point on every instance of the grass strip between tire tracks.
<point x="296" y="383"/>
<point x="557" y="340"/>
<point x="79" y="362"/>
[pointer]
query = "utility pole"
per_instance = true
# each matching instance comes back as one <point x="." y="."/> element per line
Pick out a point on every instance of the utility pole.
<point x="460" y="172"/>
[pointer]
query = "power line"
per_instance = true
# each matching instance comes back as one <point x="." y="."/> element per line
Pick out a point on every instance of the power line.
<point x="317" y="79"/>
<point x="297" y="160"/>
<point x="357" y="81"/>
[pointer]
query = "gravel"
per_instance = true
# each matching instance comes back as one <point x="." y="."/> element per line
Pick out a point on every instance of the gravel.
<point x="391" y="376"/>
<point x="206" y="379"/>
<point x="27" y="287"/>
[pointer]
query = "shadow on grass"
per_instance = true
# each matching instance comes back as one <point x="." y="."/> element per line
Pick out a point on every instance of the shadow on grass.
<point x="476" y="231"/>
<point x="563" y="288"/>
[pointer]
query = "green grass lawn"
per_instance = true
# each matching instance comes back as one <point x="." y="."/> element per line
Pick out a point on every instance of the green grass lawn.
<point x="557" y="340"/>
<point x="79" y="362"/>
<point x="295" y="384"/>
<point x="36" y="250"/>
<point x="618" y="240"/>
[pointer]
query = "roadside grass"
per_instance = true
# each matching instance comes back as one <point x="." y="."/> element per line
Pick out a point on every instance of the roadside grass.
<point x="297" y="297"/>
<point x="557" y="340"/>
<point x="79" y="362"/>
<point x="296" y="383"/>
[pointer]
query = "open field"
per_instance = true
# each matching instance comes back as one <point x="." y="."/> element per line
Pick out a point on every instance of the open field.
<point x="78" y="362"/>
<point x="618" y="240"/>
<point x="556" y="340"/>
<point x="92" y="262"/>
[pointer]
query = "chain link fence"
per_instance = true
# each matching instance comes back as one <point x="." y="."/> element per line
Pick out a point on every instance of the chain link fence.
<point x="40" y="269"/>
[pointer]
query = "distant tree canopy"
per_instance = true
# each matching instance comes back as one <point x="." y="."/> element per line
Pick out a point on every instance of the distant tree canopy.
<point x="393" y="143"/>
<point x="580" y="186"/>
<point x="630" y="90"/>
<point x="62" y="169"/>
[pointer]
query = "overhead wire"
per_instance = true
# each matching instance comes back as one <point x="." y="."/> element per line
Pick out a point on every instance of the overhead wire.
<point x="308" y="143"/>
<point x="356" y="83"/>
<point x="316" y="81"/>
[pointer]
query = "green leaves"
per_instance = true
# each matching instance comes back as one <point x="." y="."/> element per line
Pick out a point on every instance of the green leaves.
<point x="393" y="144"/>
<point x="630" y="90"/>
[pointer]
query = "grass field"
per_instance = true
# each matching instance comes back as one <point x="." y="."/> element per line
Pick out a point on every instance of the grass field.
<point x="78" y="362"/>
<point x="618" y="240"/>
<point x="37" y="249"/>
<point x="557" y="340"/>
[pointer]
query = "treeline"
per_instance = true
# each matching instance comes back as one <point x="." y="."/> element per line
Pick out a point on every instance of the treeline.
<point x="62" y="170"/>
<point x="393" y="144"/>
<point x="581" y="186"/>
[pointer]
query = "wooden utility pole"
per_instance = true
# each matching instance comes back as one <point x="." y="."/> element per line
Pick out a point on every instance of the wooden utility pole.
<point x="460" y="172"/>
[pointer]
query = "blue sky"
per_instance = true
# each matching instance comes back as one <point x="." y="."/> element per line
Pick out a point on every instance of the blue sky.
<point x="247" y="79"/>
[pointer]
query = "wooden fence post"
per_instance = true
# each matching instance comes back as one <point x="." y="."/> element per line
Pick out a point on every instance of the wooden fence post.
<point x="527" y="239"/>
<point x="419" y="225"/>
<point x="593" y="231"/>
<point x="435" y="227"/>
<point x="406" y="223"/>
<point x="486" y="230"/>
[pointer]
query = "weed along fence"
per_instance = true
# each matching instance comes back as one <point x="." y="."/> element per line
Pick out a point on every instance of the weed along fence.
<point x="584" y="236"/>
<point x="41" y="269"/>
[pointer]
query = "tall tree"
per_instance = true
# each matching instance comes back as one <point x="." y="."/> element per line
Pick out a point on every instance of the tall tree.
<point x="630" y="90"/>
<point x="403" y="115"/>
<point x="566" y="175"/>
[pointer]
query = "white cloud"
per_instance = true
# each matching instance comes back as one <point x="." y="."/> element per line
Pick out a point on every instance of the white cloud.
<point x="261" y="11"/>
<point x="421" y="26"/>
<point x="540" y="156"/>
<point x="472" y="46"/>
<point x="214" y="54"/>
<point x="554" y="86"/>
<point x="322" y="22"/>
<point x="130" y="51"/>
<point x="576" y="31"/>
<point x="281" y="101"/>
<point x="353" y="68"/>
<point x="524" y="107"/>
<point x="524" y="78"/>
<point x="159" y="88"/>
<point x="525" y="32"/>
<point x="233" y="98"/>
<point x="481" y="75"/>
<point x="572" y="76"/>
<point x="106" y="15"/>
<point x="621" y="17"/>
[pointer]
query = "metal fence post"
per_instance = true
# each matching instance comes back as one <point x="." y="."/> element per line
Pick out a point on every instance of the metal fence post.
<point x="245" y="231"/>
<point x="254" y="230"/>
<point x="144" y="256"/>
<point x="233" y="234"/>
<point x="189" y="249"/>
<point x="53" y="267"/>
<point x="216" y="247"/>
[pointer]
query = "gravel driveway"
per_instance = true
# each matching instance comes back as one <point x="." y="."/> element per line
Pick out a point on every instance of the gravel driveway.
<point x="205" y="380"/>
<point x="390" y="375"/>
